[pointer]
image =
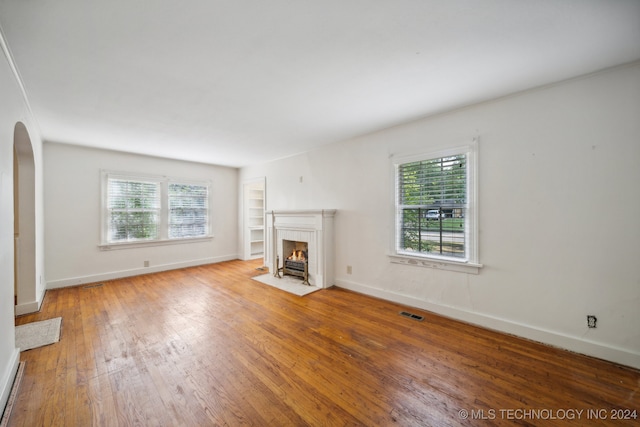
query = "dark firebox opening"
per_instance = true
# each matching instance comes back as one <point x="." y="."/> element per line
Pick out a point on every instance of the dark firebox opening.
<point x="296" y="259"/>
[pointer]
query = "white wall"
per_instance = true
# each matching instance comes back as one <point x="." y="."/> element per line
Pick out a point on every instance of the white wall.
<point x="13" y="110"/>
<point x="73" y="204"/>
<point x="559" y="208"/>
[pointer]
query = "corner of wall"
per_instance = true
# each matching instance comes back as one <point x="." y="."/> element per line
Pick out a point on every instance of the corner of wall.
<point x="8" y="377"/>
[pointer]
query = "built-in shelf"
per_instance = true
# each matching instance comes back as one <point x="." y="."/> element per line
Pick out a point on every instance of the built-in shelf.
<point x="254" y="219"/>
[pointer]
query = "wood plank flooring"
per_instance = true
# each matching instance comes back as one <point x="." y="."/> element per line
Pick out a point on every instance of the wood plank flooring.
<point x="209" y="346"/>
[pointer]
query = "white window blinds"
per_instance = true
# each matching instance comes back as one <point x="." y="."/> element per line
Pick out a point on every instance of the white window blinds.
<point x="150" y="209"/>
<point x="188" y="210"/>
<point x="133" y="210"/>
<point x="432" y="207"/>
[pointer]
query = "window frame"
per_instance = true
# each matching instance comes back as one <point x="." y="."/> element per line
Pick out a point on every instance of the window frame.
<point x="163" y="225"/>
<point x="470" y="262"/>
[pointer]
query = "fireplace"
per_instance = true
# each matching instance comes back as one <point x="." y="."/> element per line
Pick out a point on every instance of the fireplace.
<point x="296" y="260"/>
<point x="310" y="231"/>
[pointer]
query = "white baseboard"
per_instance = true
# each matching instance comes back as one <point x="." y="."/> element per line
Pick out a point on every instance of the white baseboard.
<point x="31" y="306"/>
<point x="9" y="374"/>
<point x="27" y="307"/>
<point x="75" y="281"/>
<point x="553" y="338"/>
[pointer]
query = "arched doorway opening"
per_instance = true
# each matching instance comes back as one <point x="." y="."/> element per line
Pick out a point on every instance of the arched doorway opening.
<point x="24" y="227"/>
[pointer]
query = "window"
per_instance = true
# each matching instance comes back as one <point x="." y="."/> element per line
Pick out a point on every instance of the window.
<point x="435" y="207"/>
<point x="134" y="210"/>
<point x="141" y="210"/>
<point x="188" y="210"/>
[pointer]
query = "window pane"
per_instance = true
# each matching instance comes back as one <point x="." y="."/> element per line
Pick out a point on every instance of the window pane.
<point x="432" y="196"/>
<point x="188" y="210"/>
<point x="433" y="182"/>
<point x="133" y="210"/>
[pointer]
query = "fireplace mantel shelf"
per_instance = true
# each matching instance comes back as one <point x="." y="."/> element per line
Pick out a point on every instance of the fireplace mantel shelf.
<point x="304" y="212"/>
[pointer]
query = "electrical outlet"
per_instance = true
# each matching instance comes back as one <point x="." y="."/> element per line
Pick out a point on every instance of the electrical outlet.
<point x="146" y="263"/>
<point x="591" y="321"/>
<point x="349" y="269"/>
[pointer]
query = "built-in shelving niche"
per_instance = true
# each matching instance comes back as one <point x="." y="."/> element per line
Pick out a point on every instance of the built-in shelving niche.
<point x="254" y="205"/>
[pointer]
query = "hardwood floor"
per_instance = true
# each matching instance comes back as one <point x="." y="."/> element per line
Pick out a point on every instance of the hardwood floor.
<point x="209" y="346"/>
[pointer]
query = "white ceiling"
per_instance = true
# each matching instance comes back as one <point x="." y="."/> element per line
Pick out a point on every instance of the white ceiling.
<point x="236" y="82"/>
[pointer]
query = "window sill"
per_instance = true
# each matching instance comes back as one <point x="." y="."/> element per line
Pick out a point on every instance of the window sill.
<point x="440" y="264"/>
<point x="144" y="244"/>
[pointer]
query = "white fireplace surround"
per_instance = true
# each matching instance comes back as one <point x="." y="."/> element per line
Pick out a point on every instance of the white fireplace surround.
<point x="315" y="227"/>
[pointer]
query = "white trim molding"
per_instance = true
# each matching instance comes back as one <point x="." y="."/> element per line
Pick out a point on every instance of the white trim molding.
<point x="8" y="377"/>
<point x="567" y="342"/>
<point x="432" y="262"/>
<point x="75" y="281"/>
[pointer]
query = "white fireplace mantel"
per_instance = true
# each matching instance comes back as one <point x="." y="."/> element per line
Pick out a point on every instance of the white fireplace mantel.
<point x="315" y="227"/>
